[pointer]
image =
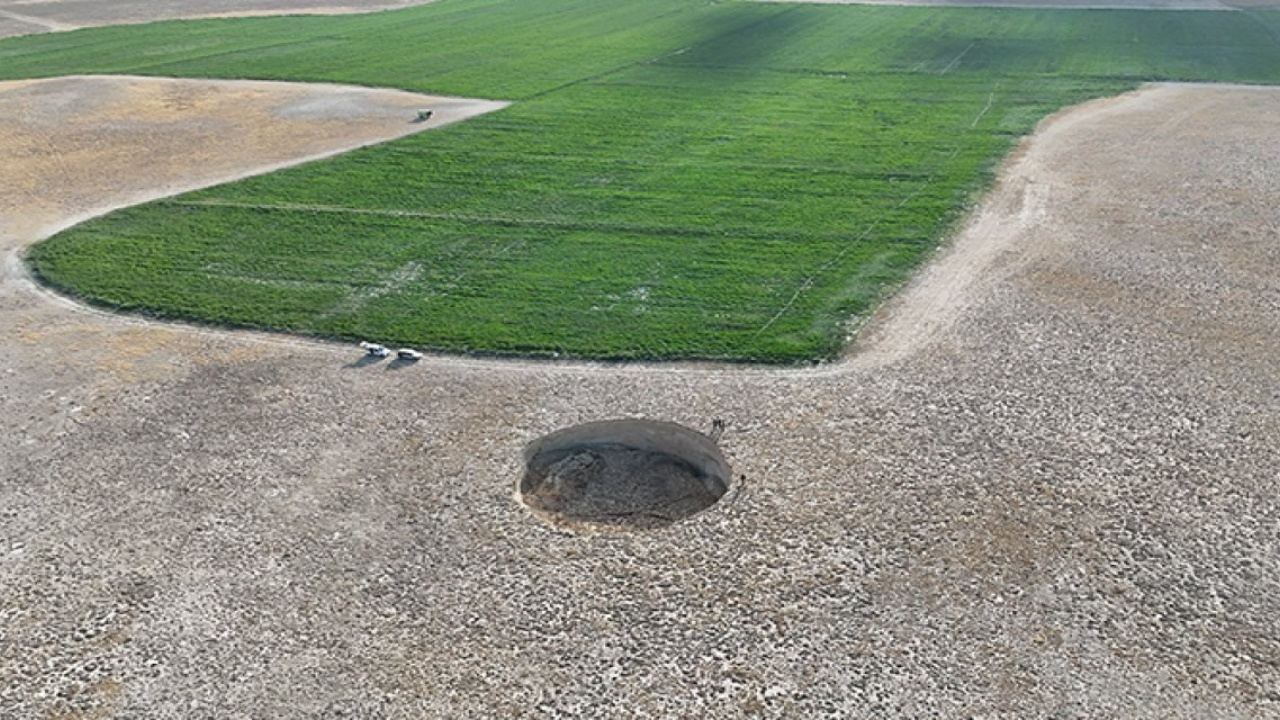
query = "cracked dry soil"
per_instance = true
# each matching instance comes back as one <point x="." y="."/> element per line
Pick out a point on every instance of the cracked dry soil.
<point x="1043" y="484"/>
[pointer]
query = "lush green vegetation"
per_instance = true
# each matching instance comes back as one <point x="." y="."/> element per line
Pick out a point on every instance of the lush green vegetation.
<point x="677" y="179"/>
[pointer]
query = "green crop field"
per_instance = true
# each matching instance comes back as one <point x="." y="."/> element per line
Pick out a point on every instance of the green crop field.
<point x="675" y="179"/>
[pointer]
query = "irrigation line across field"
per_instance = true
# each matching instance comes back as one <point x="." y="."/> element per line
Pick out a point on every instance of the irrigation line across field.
<point x="808" y="281"/>
<point x="991" y="98"/>
<point x="958" y="58"/>
<point x="1270" y="31"/>
<point x="640" y="229"/>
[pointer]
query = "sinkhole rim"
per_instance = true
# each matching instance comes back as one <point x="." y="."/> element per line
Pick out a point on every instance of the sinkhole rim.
<point x="624" y="475"/>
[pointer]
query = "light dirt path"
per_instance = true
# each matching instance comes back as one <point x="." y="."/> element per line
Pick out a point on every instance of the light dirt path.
<point x="944" y="290"/>
<point x="24" y="17"/>
<point x="1044" y="484"/>
<point x="33" y="24"/>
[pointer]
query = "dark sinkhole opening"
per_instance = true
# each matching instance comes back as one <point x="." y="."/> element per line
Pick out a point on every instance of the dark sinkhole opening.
<point x="622" y="474"/>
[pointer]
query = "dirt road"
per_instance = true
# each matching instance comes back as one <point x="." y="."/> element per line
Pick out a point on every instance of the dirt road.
<point x="1044" y="484"/>
<point x="26" y="17"/>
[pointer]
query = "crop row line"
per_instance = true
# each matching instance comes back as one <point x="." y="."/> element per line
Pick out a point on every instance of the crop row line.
<point x="1270" y="31"/>
<point x="615" y="70"/>
<point x="655" y="59"/>
<point x="808" y="281"/>
<point x="846" y="171"/>
<point x="519" y="222"/>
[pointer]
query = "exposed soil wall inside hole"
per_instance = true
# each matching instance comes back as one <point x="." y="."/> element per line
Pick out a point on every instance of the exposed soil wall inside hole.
<point x="623" y="474"/>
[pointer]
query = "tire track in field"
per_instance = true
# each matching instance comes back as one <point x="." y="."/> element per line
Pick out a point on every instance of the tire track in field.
<point x="808" y="282"/>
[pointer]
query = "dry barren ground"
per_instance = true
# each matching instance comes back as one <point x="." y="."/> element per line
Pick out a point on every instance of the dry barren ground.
<point x="1045" y="483"/>
<point x="25" y="17"/>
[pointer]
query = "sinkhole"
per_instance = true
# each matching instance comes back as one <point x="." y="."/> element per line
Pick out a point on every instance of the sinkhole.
<point x="622" y="474"/>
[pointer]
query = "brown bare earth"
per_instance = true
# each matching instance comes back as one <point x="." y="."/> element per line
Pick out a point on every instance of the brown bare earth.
<point x="25" y="17"/>
<point x="1046" y="482"/>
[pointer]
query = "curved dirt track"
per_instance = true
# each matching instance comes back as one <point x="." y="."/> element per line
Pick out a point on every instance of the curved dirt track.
<point x="1045" y="484"/>
<point x="26" y="17"/>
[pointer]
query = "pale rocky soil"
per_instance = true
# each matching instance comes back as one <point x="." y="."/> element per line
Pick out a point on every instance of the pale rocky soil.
<point x="1045" y="483"/>
<point x="26" y="17"/>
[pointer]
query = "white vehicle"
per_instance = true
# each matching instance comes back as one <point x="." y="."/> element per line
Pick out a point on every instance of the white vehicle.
<point x="375" y="349"/>
<point x="408" y="354"/>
